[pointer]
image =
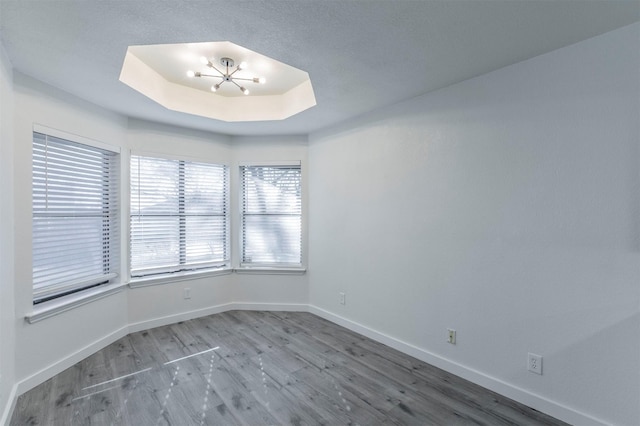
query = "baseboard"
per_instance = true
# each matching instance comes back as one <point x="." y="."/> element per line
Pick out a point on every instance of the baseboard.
<point x="182" y="316"/>
<point x="540" y="403"/>
<point x="288" y="307"/>
<point x="11" y="404"/>
<point x="537" y="402"/>
<point x="61" y="365"/>
<point x="198" y="313"/>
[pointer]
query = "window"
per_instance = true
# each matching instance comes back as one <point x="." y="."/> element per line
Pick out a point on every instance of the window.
<point x="271" y="216"/>
<point x="75" y="216"/>
<point x="179" y="216"/>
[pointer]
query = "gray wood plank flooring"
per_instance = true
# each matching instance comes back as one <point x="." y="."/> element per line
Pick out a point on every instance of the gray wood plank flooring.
<point x="261" y="368"/>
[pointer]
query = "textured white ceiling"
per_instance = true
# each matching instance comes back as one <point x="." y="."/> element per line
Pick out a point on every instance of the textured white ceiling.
<point x="360" y="54"/>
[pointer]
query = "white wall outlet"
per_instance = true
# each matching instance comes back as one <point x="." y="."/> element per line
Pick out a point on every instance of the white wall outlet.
<point x="343" y="298"/>
<point x="534" y="363"/>
<point x="186" y="293"/>
<point x="451" y="336"/>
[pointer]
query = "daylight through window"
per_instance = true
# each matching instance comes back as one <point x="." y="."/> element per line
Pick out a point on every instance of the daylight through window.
<point x="271" y="216"/>
<point x="179" y="216"/>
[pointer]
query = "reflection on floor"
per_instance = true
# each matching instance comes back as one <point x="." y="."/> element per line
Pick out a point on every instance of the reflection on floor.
<point x="256" y="368"/>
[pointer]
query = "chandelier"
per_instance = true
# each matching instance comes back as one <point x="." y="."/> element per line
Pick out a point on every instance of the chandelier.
<point x="227" y="76"/>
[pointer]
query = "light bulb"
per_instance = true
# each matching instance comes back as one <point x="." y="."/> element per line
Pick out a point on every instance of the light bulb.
<point x="245" y="91"/>
<point x="242" y="65"/>
<point x="190" y="73"/>
<point x="215" y="87"/>
<point x="204" y="60"/>
<point x="262" y="80"/>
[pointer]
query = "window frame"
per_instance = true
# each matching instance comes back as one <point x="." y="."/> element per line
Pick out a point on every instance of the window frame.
<point x="270" y="267"/>
<point x="161" y="274"/>
<point x="110" y="213"/>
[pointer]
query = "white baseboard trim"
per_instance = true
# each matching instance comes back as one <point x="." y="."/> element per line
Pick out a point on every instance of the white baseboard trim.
<point x="57" y="367"/>
<point x="175" y="318"/>
<point x="61" y="365"/>
<point x="540" y="403"/>
<point x="287" y="307"/>
<point x="198" y="313"/>
<point x="7" y="413"/>
<point x="537" y="402"/>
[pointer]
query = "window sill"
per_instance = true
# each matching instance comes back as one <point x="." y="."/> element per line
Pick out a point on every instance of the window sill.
<point x="57" y="306"/>
<point x="177" y="276"/>
<point x="258" y="270"/>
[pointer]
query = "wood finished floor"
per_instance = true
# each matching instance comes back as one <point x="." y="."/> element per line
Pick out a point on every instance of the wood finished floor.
<point x="261" y="368"/>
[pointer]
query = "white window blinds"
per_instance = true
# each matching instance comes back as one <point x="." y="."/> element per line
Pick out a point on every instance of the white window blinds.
<point x="75" y="216"/>
<point x="179" y="216"/>
<point x="271" y="215"/>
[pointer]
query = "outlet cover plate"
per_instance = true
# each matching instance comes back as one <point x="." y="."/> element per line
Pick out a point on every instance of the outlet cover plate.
<point x="534" y="363"/>
<point x="451" y="336"/>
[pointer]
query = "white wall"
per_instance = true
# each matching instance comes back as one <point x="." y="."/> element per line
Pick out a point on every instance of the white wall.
<point x="505" y="207"/>
<point x="58" y="342"/>
<point x="7" y="337"/>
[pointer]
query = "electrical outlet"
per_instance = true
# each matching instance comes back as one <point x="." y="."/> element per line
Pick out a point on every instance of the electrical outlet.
<point x="534" y="363"/>
<point x="186" y="293"/>
<point x="343" y="298"/>
<point x="451" y="336"/>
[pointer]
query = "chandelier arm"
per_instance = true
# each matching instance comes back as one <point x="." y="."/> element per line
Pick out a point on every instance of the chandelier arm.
<point x="239" y="87"/>
<point x="243" y="79"/>
<point x="235" y="71"/>
<point x="208" y="75"/>
<point x="220" y="72"/>
<point x="242" y="89"/>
